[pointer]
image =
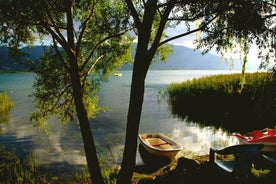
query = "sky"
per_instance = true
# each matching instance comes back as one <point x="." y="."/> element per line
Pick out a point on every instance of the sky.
<point x="187" y="41"/>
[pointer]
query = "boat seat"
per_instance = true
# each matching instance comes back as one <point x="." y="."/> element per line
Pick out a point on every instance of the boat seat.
<point x="236" y="160"/>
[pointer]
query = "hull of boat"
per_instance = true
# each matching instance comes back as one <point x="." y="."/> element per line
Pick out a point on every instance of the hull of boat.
<point x="268" y="142"/>
<point x="160" y="145"/>
<point x="268" y="146"/>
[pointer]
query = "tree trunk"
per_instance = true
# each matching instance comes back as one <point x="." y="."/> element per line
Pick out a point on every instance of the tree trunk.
<point x="140" y="69"/>
<point x="142" y="61"/>
<point x="86" y="132"/>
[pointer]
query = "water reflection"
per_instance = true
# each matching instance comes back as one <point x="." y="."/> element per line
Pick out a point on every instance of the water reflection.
<point x="236" y="114"/>
<point x="4" y="119"/>
<point x="197" y="140"/>
<point x="64" y="144"/>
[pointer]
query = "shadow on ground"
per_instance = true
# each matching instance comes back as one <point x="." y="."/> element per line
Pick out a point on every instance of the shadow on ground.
<point x="158" y="170"/>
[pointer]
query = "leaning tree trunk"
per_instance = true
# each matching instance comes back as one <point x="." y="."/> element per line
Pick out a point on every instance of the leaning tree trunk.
<point x="86" y="132"/>
<point x="140" y="69"/>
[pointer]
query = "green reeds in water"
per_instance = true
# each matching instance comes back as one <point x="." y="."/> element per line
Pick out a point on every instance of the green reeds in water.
<point x="219" y="98"/>
<point x="6" y="103"/>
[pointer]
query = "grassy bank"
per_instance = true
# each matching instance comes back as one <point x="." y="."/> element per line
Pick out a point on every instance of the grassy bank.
<point x="218" y="100"/>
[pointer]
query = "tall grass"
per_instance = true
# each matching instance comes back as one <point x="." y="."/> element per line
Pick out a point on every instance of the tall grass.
<point x="224" y="83"/>
<point x="6" y="104"/>
<point x="219" y="99"/>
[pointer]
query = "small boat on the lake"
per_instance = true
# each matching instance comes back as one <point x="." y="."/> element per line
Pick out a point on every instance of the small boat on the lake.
<point x="160" y="145"/>
<point x="265" y="136"/>
<point x="118" y="74"/>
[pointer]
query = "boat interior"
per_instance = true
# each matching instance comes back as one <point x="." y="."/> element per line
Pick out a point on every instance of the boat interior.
<point x="159" y="143"/>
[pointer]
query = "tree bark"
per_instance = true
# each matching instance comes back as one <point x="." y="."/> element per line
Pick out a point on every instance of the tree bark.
<point x="142" y="62"/>
<point x="86" y="132"/>
<point x="141" y="65"/>
<point x="143" y="58"/>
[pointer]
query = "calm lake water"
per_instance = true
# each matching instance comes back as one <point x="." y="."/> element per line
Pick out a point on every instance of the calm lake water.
<point x="64" y="144"/>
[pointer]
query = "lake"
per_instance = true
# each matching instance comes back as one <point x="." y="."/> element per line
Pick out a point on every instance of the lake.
<point x="64" y="145"/>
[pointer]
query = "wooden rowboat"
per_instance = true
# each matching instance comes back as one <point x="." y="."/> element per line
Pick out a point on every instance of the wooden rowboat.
<point x="160" y="145"/>
<point x="265" y="137"/>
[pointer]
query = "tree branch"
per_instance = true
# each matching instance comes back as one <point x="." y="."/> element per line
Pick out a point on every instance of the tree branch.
<point x="61" y="39"/>
<point x="60" y="56"/>
<point x="269" y="16"/>
<point x="70" y="26"/>
<point x="86" y="74"/>
<point x="187" y="33"/>
<point x="162" y="24"/>
<point x="84" y="25"/>
<point x="55" y="33"/>
<point x="97" y="45"/>
<point x="134" y="13"/>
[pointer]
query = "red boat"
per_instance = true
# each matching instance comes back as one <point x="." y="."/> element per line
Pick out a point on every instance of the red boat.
<point x="265" y="136"/>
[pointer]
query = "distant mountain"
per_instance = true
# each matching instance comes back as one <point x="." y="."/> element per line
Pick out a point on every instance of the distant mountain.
<point x="8" y="64"/>
<point x="186" y="58"/>
<point x="183" y="58"/>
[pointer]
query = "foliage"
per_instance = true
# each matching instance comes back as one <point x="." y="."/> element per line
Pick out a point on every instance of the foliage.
<point x="53" y="93"/>
<point x="6" y="103"/>
<point x="217" y="100"/>
<point x="239" y="23"/>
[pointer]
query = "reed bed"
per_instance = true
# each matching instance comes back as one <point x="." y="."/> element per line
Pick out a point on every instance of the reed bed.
<point x="6" y="103"/>
<point x="221" y="99"/>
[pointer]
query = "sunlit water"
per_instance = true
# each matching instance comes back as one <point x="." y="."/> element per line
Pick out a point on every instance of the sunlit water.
<point x="64" y="144"/>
